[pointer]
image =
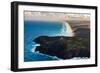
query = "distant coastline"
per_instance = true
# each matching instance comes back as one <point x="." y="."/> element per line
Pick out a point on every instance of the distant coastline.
<point x="53" y="16"/>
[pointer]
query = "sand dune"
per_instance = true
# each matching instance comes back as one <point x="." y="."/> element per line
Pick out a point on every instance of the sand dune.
<point x="80" y="28"/>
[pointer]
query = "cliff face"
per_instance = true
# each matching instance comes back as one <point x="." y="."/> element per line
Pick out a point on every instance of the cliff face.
<point x="64" y="47"/>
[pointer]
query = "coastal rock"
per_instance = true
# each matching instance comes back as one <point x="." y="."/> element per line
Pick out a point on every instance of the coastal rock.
<point x="82" y="32"/>
<point x="64" y="47"/>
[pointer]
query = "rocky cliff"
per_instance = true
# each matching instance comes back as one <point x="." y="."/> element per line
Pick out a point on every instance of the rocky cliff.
<point x="64" y="47"/>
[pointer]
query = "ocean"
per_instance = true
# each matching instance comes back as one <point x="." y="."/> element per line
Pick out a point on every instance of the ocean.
<point x="34" y="29"/>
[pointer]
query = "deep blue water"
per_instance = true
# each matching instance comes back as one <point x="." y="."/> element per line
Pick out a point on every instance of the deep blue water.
<point x="33" y="29"/>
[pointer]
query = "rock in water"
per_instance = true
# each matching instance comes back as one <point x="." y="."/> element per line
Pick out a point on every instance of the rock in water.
<point x="64" y="47"/>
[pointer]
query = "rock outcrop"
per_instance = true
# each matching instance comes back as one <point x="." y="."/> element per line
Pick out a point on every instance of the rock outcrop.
<point x="64" y="47"/>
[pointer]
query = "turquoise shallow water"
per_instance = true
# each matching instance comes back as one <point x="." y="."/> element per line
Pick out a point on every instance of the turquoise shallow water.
<point x="33" y="29"/>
